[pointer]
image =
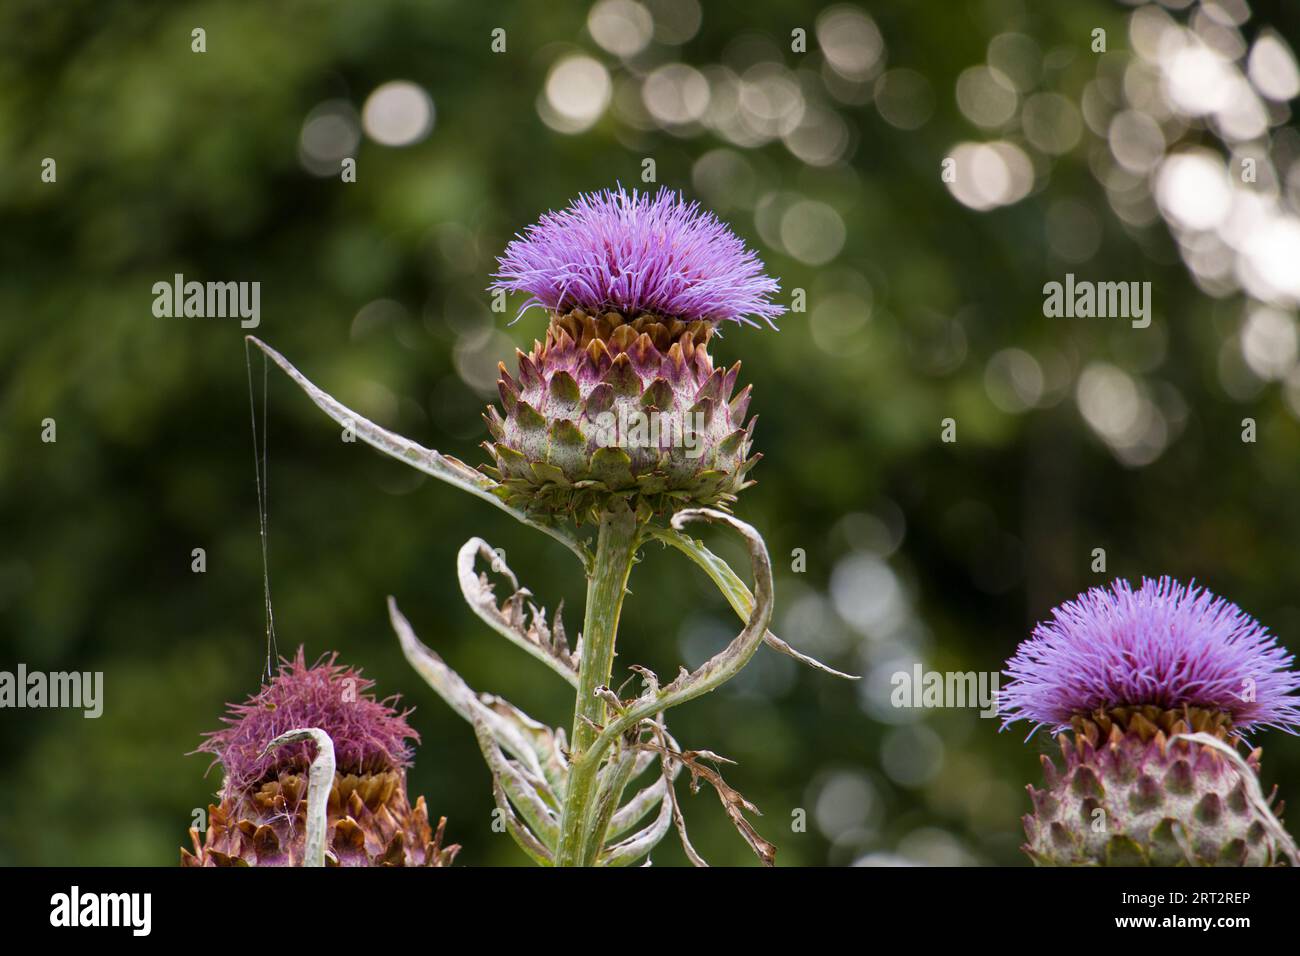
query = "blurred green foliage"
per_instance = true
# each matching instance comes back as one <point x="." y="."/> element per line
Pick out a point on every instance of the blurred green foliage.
<point x="171" y="161"/>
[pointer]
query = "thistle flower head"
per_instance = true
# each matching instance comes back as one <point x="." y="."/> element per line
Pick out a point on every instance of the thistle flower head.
<point x="1156" y="686"/>
<point x="262" y="817"/>
<point x="638" y="254"/>
<point x="1165" y="645"/>
<point x="370" y="736"/>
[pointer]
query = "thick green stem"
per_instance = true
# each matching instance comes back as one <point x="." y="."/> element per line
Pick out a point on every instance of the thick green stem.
<point x="615" y="546"/>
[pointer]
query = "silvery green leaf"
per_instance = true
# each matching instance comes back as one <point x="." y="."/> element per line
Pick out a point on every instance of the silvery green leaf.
<point x="634" y="811"/>
<point x="525" y="782"/>
<point x="734" y="590"/>
<point x="549" y="744"/>
<point x="626" y="852"/>
<point x="543" y="823"/>
<point x="513" y="730"/>
<point x="521" y="835"/>
<point x="443" y="467"/>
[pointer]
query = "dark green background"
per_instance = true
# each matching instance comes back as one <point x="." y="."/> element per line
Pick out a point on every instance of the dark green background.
<point x="170" y="162"/>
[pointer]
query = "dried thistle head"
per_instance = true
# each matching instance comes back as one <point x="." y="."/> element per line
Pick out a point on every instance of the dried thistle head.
<point x="260" y="820"/>
<point x="370" y="736"/>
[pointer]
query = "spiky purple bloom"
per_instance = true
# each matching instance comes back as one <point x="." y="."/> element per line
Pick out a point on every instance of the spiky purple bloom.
<point x="369" y="735"/>
<point x="1166" y="645"/>
<point x="635" y="254"/>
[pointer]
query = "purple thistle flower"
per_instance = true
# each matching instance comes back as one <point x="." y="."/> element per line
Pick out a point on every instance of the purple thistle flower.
<point x="369" y="735"/>
<point x="638" y="254"/>
<point x="1166" y="645"/>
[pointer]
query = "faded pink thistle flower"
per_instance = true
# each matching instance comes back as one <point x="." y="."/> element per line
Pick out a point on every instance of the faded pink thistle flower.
<point x="261" y="819"/>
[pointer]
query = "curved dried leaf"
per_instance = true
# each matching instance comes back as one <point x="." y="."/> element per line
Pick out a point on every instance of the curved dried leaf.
<point x="733" y="801"/>
<point x="527" y="630"/>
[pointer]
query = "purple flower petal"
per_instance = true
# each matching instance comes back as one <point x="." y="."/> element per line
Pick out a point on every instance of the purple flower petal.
<point x="636" y="253"/>
<point x="1166" y="644"/>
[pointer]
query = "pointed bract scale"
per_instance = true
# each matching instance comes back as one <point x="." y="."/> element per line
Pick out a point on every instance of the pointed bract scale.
<point x="564" y="390"/>
<point x="712" y="389"/>
<point x="528" y="418"/>
<point x="729" y="382"/>
<point x="622" y="378"/>
<point x="621" y="339"/>
<point x="1234" y="853"/>
<point x="1050" y="776"/>
<point x="734" y="443"/>
<point x="1209" y="809"/>
<point x="508" y="388"/>
<point x="703" y="365"/>
<point x="1179" y="779"/>
<point x="659" y="395"/>
<point x="548" y="474"/>
<point x="495" y="423"/>
<point x="566" y="433"/>
<point x="1123" y="850"/>
<point x="599" y="401"/>
<point x="645" y="356"/>
<point x="1237" y="801"/>
<point x="595" y="361"/>
<point x="613" y="467"/>
<point x="703" y="412"/>
<point x="511" y="462"/>
<point x="740" y="404"/>
<point x="530" y="376"/>
<point x="1061" y="837"/>
<point x="676" y="358"/>
<point x="564" y="348"/>
<point x="1045" y="805"/>
<point x="686" y="342"/>
<point x="1085" y="783"/>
